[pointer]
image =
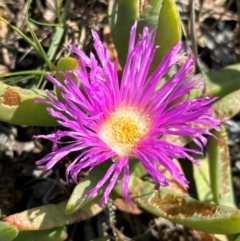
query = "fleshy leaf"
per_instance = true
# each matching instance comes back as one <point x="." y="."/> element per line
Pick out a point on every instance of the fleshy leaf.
<point x="220" y="169"/>
<point x="17" y="107"/>
<point x="227" y="106"/>
<point x="202" y="180"/>
<point x="55" y="234"/>
<point x="168" y="30"/>
<point x="65" y="64"/>
<point x="7" y="231"/>
<point x="149" y="15"/>
<point x="137" y="168"/>
<point x="128" y="12"/>
<point x="51" y="216"/>
<point x="162" y="15"/>
<point x="223" y="82"/>
<point x="79" y="197"/>
<point x="17" y="104"/>
<point x="205" y="217"/>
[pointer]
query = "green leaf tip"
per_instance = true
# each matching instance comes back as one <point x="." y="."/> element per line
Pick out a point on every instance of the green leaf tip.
<point x="7" y="231"/>
<point x="66" y="64"/>
<point x="169" y="30"/>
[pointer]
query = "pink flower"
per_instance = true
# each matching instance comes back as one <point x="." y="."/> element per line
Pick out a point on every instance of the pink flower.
<point x="117" y="119"/>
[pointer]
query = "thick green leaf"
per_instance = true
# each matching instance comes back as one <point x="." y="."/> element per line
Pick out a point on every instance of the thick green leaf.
<point x="17" y="107"/>
<point x="7" y="231"/>
<point x="223" y="82"/>
<point x="205" y="217"/>
<point x="79" y="195"/>
<point x="220" y="83"/>
<point x="51" y="216"/>
<point x="202" y="180"/>
<point x="137" y="168"/>
<point x="227" y="106"/>
<point x="65" y="64"/>
<point x="162" y="15"/>
<point x="220" y="169"/>
<point x="128" y="12"/>
<point x="149" y="16"/>
<point x="55" y="234"/>
<point x="168" y="30"/>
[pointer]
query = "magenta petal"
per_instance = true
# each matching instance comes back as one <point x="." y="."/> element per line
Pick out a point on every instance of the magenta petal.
<point x="103" y="180"/>
<point x="119" y="166"/>
<point x="125" y="181"/>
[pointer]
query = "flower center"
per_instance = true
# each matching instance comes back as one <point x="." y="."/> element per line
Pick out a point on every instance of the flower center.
<point x="124" y="129"/>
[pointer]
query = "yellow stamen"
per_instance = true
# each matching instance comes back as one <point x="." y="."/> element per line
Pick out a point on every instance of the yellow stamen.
<point x="124" y="129"/>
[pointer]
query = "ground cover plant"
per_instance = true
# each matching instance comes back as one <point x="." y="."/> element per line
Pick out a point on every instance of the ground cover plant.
<point x="127" y="120"/>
